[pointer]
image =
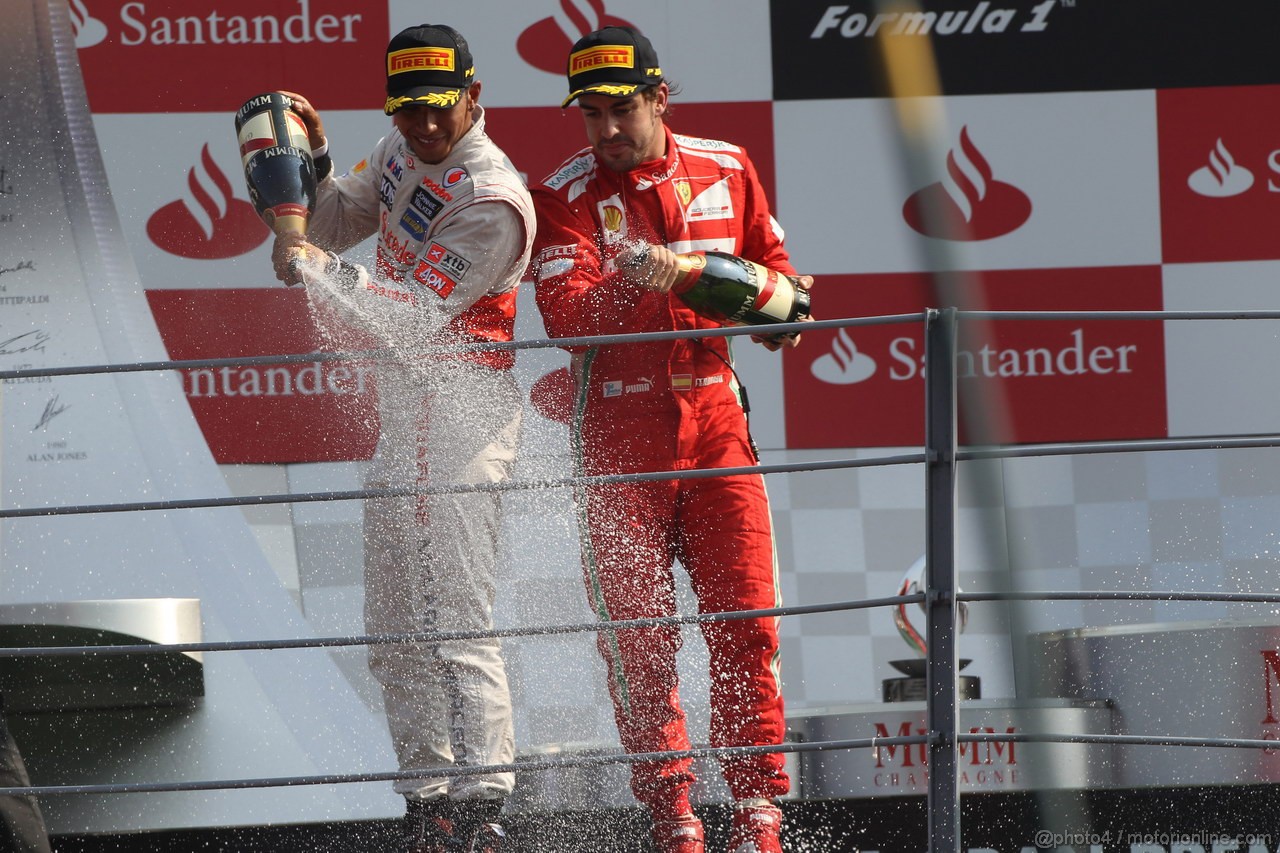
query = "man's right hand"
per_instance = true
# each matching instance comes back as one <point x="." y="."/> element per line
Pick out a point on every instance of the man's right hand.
<point x="310" y="117"/>
<point x="652" y="267"/>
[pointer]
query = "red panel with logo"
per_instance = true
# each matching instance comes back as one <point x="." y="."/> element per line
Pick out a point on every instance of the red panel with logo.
<point x="1220" y="173"/>
<point x="167" y="56"/>
<point x="234" y="227"/>
<point x="310" y="412"/>
<point x="1050" y="380"/>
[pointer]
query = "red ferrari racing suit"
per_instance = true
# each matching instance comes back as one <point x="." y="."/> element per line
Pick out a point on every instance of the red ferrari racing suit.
<point x="662" y="406"/>
<point x="453" y="243"/>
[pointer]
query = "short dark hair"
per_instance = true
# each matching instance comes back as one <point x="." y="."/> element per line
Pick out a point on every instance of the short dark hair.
<point x="651" y="92"/>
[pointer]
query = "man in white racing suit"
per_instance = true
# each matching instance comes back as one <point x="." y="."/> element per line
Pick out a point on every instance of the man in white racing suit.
<point x="454" y="225"/>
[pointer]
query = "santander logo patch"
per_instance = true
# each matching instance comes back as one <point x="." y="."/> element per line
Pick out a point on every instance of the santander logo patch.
<point x="969" y="203"/>
<point x="87" y="29"/>
<point x="844" y="365"/>
<point x="545" y="44"/>
<point x="210" y="223"/>
<point x="1222" y="176"/>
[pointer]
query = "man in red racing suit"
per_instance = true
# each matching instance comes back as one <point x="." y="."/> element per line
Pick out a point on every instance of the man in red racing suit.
<point x="664" y="406"/>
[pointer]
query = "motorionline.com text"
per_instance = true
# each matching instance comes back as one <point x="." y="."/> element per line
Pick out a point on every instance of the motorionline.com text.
<point x="1107" y="841"/>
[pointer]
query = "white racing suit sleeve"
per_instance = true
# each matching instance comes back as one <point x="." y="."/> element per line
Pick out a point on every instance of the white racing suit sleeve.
<point x="346" y="206"/>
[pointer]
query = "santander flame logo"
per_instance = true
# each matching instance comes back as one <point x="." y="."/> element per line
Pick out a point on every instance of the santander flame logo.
<point x="217" y="225"/>
<point x="1222" y="177"/>
<point x="844" y="365"/>
<point x="545" y="44"/>
<point x="968" y="204"/>
<point x="87" y="29"/>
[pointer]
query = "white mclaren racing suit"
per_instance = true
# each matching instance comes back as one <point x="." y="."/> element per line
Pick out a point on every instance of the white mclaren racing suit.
<point x="453" y="243"/>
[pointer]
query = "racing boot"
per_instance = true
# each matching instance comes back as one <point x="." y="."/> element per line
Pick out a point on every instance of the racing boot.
<point x="427" y="826"/>
<point x="682" y="835"/>
<point x="476" y="828"/>
<point x="757" y="827"/>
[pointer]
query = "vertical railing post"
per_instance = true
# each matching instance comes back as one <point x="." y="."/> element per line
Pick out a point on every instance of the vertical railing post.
<point x="940" y="587"/>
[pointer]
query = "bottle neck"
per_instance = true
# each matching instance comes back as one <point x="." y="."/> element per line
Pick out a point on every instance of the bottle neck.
<point x="288" y="219"/>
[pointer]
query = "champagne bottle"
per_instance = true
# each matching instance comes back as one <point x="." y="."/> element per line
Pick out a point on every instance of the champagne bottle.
<point x="276" y="156"/>
<point x="739" y="292"/>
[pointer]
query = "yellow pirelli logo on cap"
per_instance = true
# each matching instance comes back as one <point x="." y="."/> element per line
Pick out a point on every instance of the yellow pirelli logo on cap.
<point x="420" y="59"/>
<point x="603" y="56"/>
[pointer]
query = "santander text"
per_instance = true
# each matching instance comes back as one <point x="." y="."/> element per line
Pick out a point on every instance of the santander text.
<point x="1073" y="359"/>
<point x="214" y="28"/>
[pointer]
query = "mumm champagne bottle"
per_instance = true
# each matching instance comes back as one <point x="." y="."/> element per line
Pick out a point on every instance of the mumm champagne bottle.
<point x="738" y="292"/>
<point x="278" y="168"/>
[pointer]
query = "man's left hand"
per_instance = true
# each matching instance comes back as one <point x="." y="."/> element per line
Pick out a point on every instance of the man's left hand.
<point x="294" y="258"/>
<point x="773" y="343"/>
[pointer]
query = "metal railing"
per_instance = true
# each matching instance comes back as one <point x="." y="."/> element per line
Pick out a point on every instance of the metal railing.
<point x="940" y="455"/>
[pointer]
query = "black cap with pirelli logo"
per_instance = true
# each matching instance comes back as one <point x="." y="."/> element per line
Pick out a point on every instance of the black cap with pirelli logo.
<point x="429" y="64"/>
<point x="614" y="61"/>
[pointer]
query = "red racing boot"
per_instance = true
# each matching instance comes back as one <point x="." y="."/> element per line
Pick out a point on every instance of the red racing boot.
<point x="682" y="835"/>
<point x="757" y="827"/>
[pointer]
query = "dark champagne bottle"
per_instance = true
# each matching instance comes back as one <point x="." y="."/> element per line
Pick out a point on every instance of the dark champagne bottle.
<point x="278" y="168"/>
<point x="739" y="292"/>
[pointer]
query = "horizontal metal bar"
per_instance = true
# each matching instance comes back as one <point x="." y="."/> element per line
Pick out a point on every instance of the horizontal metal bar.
<point x="1129" y="740"/>
<point x="1118" y="315"/>
<point x="558" y="763"/>
<point x="1122" y="595"/>
<point x="967" y="455"/>
<point x="585" y="627"/>
<point x="385" y="355"/>
<point x="973" y="453"/>
<point x="537" y="765"/>
<point x="437" y="637"/>
<point x="610" y="340"/>
<point x="505" y="486"/>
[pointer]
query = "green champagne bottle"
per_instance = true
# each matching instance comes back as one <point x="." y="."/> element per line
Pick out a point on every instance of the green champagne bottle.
<point x="738" y="292"/>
